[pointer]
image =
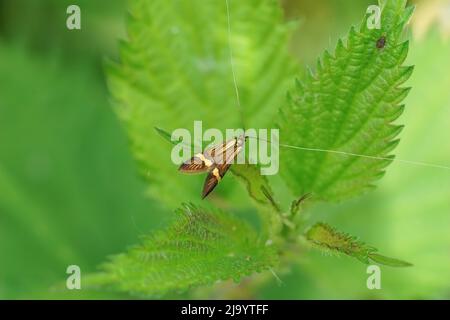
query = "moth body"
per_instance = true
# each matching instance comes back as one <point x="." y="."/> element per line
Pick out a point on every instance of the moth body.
<point x="215" y="161"/>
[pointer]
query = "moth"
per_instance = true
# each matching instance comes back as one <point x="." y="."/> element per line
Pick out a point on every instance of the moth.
<point x="216" y="161"/>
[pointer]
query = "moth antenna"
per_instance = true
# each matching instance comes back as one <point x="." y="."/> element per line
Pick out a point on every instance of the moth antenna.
<point x="241" y="111"/>
<point x="233" y="72"/>
<point x="358" y="155"/>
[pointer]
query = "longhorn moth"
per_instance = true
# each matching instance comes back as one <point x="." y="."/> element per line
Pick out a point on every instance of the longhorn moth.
<point x="216" y="161"/>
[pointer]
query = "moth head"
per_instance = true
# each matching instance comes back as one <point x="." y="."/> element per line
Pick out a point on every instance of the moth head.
<point x="241" y="140"/>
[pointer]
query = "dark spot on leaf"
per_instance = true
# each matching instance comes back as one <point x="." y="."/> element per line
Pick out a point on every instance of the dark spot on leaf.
<point x="381" y="43"/>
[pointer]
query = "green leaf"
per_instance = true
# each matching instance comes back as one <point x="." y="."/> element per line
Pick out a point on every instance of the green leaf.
<point x="327" y="238"/>
<point x="259" y="190"/>
<point x="257" y="185"/>
<point x="348" y="105"/>
<point x="388" y="261"/>
<point x="199" y="248"/>
<point x="166" y="136"/>
<point x="175" y="68"/>
<point x="409" y="214"/>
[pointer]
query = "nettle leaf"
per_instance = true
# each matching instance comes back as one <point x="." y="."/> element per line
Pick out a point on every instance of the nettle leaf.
<point x="200" y="248"/>
<point x="175" y="68"/>
<point x="257" y="185"/>
<point x="327" y="238"/>
<point x="348" y="104"/>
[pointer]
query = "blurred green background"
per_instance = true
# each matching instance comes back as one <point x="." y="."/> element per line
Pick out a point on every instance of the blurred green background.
<point x="69" y="190"/>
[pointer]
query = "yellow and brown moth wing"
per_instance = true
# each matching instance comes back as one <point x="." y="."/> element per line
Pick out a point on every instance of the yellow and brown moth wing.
<point x="214" y="177"/>
<point x="197" y="164"/>
<point x="223" y="152"/>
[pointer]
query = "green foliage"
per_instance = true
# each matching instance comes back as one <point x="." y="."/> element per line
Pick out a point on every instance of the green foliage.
<point x="329" y="239"/>
<point x="257" y="185"/>
<point x="69" y="190"/>
<point x="348" y="104"/>
<point x="199" y="248"/>
<point x="175" y="68"/>
<point x="72" y="198"/>
<point x="171" y="75"/>
<point x="407" y="215"/>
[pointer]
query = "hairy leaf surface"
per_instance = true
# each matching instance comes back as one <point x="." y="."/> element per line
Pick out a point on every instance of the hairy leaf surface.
<point x="199" y="248"/>
<point x="329" y="239"/>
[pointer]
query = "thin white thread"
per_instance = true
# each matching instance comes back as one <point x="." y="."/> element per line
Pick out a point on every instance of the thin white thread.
<point x="230" y="48"/>
<point x="417" y="163"/>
